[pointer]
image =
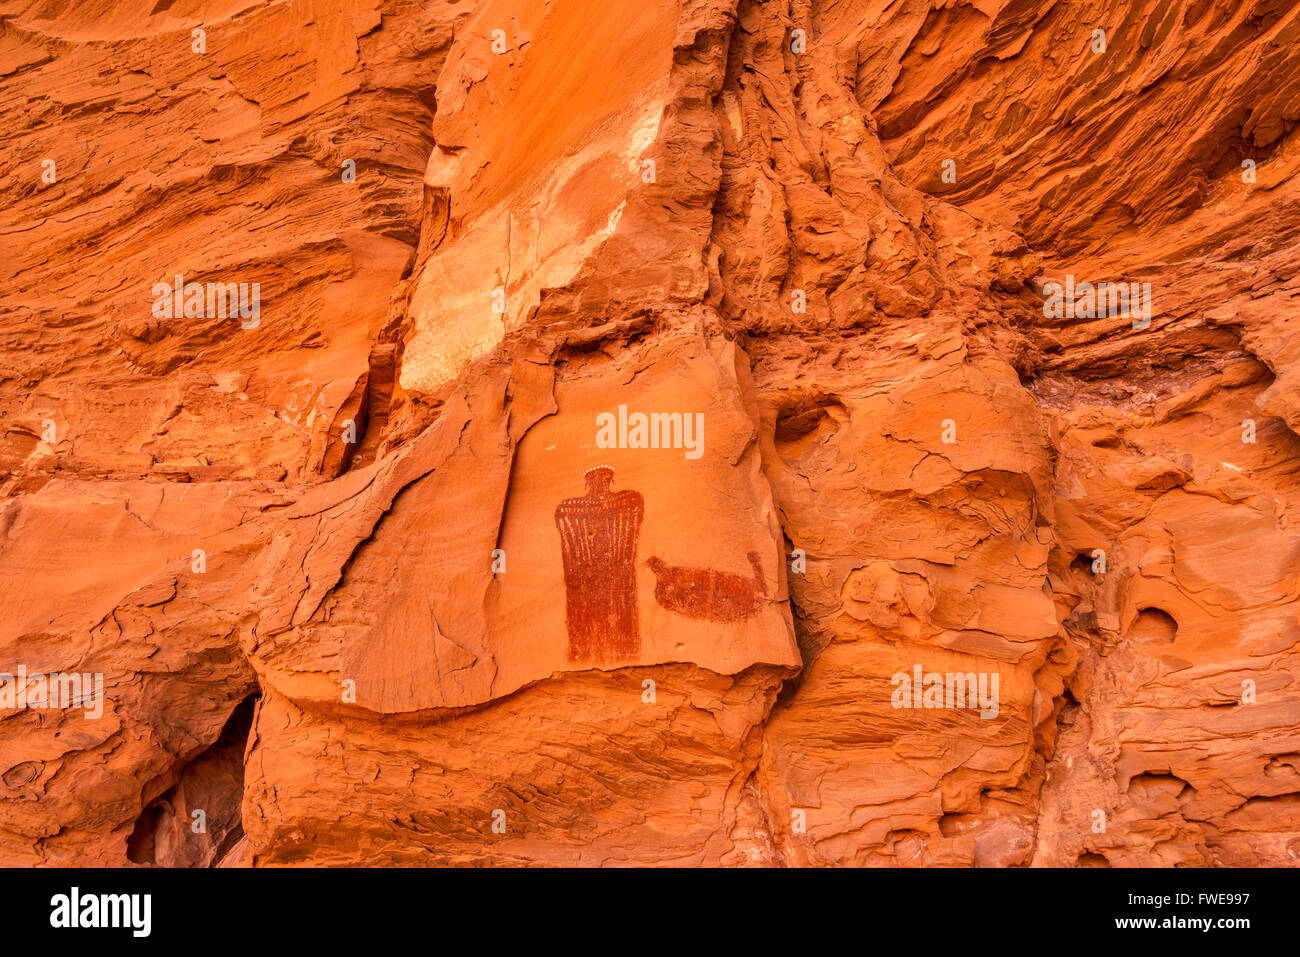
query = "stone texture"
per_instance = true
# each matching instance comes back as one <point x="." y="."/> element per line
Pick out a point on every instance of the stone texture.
<point x="331" y="568"/>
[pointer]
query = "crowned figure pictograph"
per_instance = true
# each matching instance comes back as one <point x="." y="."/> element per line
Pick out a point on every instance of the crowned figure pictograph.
<point x="598" y="540"/>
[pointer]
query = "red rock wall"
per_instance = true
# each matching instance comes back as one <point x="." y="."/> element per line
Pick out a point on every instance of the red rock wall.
<point x="352" y="586"/>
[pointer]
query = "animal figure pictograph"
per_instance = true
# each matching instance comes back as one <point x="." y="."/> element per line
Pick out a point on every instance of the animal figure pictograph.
<point x="707" y="593"/>
<point x="598" y="539"/>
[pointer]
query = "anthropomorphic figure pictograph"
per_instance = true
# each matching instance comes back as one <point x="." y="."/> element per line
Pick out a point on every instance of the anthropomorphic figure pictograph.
<point x="598" y="539"/>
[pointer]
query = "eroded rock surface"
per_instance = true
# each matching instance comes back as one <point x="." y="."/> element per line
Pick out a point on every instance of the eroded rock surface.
<point x="644" y="402"/>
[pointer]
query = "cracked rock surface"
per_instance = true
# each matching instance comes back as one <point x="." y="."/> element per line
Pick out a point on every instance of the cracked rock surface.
<point x="644" y="397"/>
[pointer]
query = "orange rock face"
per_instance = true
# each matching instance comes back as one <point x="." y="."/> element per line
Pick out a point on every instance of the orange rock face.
<point x="674" y="433"/>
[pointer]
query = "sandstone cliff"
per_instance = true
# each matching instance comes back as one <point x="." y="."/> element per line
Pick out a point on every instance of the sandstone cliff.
<point x="639" y="398"/>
